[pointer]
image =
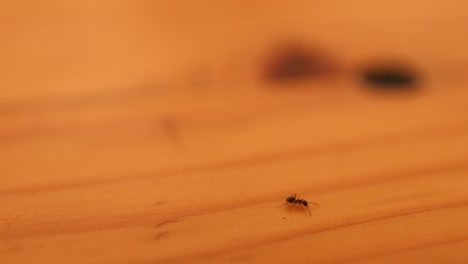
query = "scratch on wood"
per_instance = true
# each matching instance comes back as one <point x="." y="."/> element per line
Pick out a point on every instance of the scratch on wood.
<point x="10" y="220"/>
<point x="161" y="234"/>
<point x="172" y="131"/>
<point x="166" y="222"/>
<point x="8" y="246"/>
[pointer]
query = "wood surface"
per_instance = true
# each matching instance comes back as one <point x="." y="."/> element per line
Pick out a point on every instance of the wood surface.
<point x="145" y="132"/>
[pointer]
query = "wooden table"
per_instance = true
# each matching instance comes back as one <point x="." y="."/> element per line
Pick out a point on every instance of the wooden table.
<point x="150" y="132"/>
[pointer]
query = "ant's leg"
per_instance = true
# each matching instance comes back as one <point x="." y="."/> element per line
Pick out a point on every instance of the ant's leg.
<point x="309" y="210"/>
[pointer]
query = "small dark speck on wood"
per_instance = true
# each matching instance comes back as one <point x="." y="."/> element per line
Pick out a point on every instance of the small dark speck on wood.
<point x="297" y="63"/>
<point x="390" y="77"/>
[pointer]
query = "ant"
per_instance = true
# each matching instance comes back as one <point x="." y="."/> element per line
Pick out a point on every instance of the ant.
<point x="293" y="200"/>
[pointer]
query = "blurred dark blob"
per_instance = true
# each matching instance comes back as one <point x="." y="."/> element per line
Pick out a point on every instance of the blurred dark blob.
<point x="390" y="76"/>
<point x="296" y="63"/>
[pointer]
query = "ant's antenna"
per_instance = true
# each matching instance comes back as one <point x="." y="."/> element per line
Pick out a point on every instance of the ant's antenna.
<point x="314" y="203"/>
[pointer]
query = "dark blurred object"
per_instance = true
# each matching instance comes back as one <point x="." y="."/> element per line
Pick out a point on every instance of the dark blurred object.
<point x="297" y="63"/>
<point x="390" y="76"/>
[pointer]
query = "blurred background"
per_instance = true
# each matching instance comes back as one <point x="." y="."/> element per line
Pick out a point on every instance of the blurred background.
<point x="117" y="73"/>
<point x="119" y="112"/>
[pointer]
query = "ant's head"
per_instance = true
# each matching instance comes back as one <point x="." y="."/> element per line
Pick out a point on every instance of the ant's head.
<point x="305" y="203"/>
<point x="290" y="199"/>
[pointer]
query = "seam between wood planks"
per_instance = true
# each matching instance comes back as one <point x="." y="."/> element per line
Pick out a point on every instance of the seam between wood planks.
<point x="271" y="241"/>
<point x="143" y="218"/>
<point x="457" y="240"/>
<point x="280" y="156"/>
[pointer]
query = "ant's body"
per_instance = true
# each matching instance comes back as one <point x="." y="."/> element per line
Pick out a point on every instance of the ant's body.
<point x="293" y="200"/>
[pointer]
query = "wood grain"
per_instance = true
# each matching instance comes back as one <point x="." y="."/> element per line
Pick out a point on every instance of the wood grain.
<point x="146" y="132"/>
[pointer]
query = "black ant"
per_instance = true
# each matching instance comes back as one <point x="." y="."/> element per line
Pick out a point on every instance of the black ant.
<point x="293" y="200"/>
